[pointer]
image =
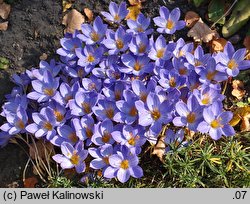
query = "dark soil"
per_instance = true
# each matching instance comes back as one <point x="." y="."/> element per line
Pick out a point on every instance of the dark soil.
<point x="35" y="28"/>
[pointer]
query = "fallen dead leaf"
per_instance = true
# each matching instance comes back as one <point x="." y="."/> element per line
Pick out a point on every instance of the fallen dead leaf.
<point x="191" y="18"/>
<point x="89" y="14"/>
<point x="73" y="21"/>
<point x="246" y="42"/>
<point x="4" y="26"/>
<point x="135" y="2"/>
<point x="4" y="10"/>
<point x="30" y="182"/>
<point x="1" y="1"/>
<point x="238" y="89"/>
<point x="201" y="32"/>
<point x="241" y="114"/>
<point x="66" y="5"/>
<point x="44" y="56"/>
<point x="134" y="11"/>
<point x="217" y="45"/>
<point x="159" y="148"/>
<point x="40" y="149"/>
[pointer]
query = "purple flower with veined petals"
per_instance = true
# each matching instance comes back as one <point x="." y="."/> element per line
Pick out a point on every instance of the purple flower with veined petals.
<point x="198" y="60"/>
<point x="69" y="44"/>
<point x="66" y="133"/>
<point x="171" y="80"/>
<point x="15" y="123"/>
<point x="190" y="114"/>
<point x="93" y="34"/>
<point x="44" y="124"/>
<point x="132" y="137"/>
<point x="4" y="138"/>
<point x="161" y="51"/>
<point x="168" y="22"/>
<point x="66" y="93"/>
<point x="115" y="92"/>
<point x="140" y="25"/>
<point x="92" y="84"/>
<point x="83" y="103"/>
<point x="179" y="66"/>
<point x="59" y="111"/>
<point x="207" y="95"/>
<point x="117" y="41"/>
<point x="104" y="133"/>
<point x="141" y="90"/>
<point x="77" y="71"/>
<point x="136" y="65"/>
<point x="232" y="61"/>
<point x="72" y="157"/>
<point x="101" y="157"/>
<point x="105" y="109"/>
<point x="211" y="74"/>
<point x="171" y="136"/>
<point x="89" y="56"/>
<point x="117" y="14"/>
<point x="154" y="113"/>
<point x="44" y="89"/>
<point x="128" y="113"/>
<point x="182" y="48"/>
<point x="123" y="164"/>
<point x="139" y="44"/>
<point x="84" y="128"/>
<point x="216" y="122"/>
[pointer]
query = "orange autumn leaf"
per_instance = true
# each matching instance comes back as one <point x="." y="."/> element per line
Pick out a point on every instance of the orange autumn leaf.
<point x="238" y="89"/>
<point x="134" y="11"/>
<point x="135" y="2"/>
<point x="191" y="18"/>
<point x="89" y="14"/>
<point x="217" y="45"/>
<point x="30" y="182"/>
<point x="241" y="114"/>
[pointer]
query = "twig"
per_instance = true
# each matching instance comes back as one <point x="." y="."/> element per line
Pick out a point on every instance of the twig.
<point x="225" y="14"/>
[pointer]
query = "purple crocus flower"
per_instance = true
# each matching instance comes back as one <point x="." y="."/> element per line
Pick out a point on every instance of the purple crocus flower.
<point x="139" y="44"/>
<point x="132" y="137"/>
<point x="123" y="164"/>
<point x="154" y="113"/>
<point x="168" y="22"/>
<point x="101" y="157"/>
<point x="182" y="48"/>
<point x="45" y="88"/>
<point x="140" y="25"/>
<point x="117" y="41"/>
<point x="89" y="56"/>
<point x="190" y="114"/>
<point x="53" y="67"/>
<point x="72" y="157"/>
<point x="83" y="103"/>
<point x="93" y="34"/>
<point x="105" y="109"/>
<point x="4" y="138"/>
<point x="161" y="51"/>
<point x="171" y="80"/>
<point x="141" y="90"/>
<point x="136" y="65"/>
<point x="92" y="84"/>
<point x="117" y="14"/>
<point x="84" y="128"/>
<point x="232" y="61"/>
<point x="44" y="124"/>
<point x="76" y="71"/>
<point x="115" y="92"/>
<point x="211" y="73"/>
<point x="104" y="133"/>
<point x="216" y="122"/>
<point x="15" y="123"/>
<point x="128" y="113"/>
<point x="66" y="133"/>
<point x="69" y="44"/>
<point x="172" y="137"/>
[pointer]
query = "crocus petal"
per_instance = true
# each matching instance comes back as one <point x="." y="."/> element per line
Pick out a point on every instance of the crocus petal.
<point x="228" y="130"/>
<point x="136" y="172"/>
<point x="123" y="175"/>
<point x="109" y="172"/>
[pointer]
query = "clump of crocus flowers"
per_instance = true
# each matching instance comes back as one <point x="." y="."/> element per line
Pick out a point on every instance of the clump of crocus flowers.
<point x="116" y="88"/>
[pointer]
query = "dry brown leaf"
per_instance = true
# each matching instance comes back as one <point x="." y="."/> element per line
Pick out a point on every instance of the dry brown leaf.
<point x="245" y="124"/>
<point x="30" y="182"/>
<point x="201" y="32"/>
<point x="4" y="10"/>
<point x="44" y="56"/>
<point x="191" y="18"/>
<point x="159" y="148"/>
<point x="73" y="20"/>
<point x="135" y="2"/>
<point x="241" y="114"/>
<point x="4" y="26"/>
<point x="238" y="89"/>
<point x="40" y="149"/>
<point x="1" y="1"/>
<point x="246" y="42"/>
<point x="134" y="11"/>
<point x="66" y="5"/>
<point x="89" y="14"/>
<point x="217" y="45"/>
